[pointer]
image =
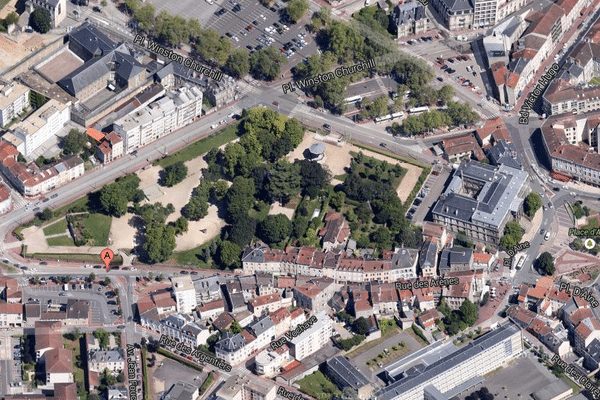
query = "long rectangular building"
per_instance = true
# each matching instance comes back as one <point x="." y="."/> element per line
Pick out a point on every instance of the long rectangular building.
<point x="458" y="369"/>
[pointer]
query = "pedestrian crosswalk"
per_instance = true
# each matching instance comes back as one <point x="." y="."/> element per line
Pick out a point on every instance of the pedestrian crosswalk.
<point x="246" y="88"/>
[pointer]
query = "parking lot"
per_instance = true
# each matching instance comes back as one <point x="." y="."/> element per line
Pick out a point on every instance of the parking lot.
<point x="103" y="309"/>
<point x="253" y="26"/>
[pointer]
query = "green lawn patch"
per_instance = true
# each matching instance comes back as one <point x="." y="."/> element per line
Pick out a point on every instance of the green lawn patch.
<point x="318" y="386"/>
<point x="99" y="226"/>
<point x="595" y="81"/>
<point x="56" y="228"/>
<point x="207" y="382"/>
<point x="179" y="359"/>
<point x="73" y="345"/>
<point x="194" y="256"/>
<point x="85" y="258"/>
<point x="145" y="373"/>
<point x="202" y="146"/>
<point x="64" y="240"/>
<point x="390" y="154"/>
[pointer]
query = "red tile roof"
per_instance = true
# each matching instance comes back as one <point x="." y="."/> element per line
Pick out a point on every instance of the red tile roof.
<point x="95" y="134"/>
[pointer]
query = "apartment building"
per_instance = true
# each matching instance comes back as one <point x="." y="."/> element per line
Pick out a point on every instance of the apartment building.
<point x="31" y="180"/>
<point x="14" y="99"/>
<point x="409" y="19"/>
<point x="109" y="148"/>
<point x="345" y="376"/>
<point x="113" y="360"/>
<point x="484" y="13"/>
<point x="268" y="302"/>
<point x="11" y="314"/>
<point x="464" y="367"/>
<point x="56" y="8"/>
<point x="58" y="366"/>
<point x="457" y="15"/>
<point x="269" y="362"/>
<point x="247" y="388"/>
<point x="176" y="326"/>
<point x="312" y="339"/>
<point x="561" y="136"/>
<point x="185" y="293"/>
<point x="5" y="199"/>
<point x="234" y="349"/>
<point x="481" y="199"/>
<point x="159" y="118"/>
<point x="29" y="134"/>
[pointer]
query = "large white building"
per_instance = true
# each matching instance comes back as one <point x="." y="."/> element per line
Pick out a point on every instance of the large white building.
<point x="14" y="98"/>
<point x="313" y="339"/>
<point x="185" y="294"/>
<point x="5" y="199"/>
<point x="234" y="349"/>
<point x="169" y="113"/>
<point x="459" y="370"/>
<point x="40" y="126"/>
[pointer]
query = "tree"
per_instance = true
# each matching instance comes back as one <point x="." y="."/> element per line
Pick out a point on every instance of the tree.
<point x="239" y="198"/>
<point x="296" y="10"/>
<point x="197" y="206"/>
<point x="40" y="20"/>
<point x="235" y="327"/>
<point x="379" y="106"/>
<point x="546" y="263"/>
<point x="512" y="235"/>
<point x="469" y="312"/>
<point x="220" y="189"/>
<point x="159" y="243"/>
<point x="337" y="200"/>
<point x="47" y="214"/>
<point x="107" y="281"/>
<point x="145" y="17"/>
<point x="174" y="174"/>
<point x="74" y="142"/>
<point x="92" y="277"/>
<point x="446" y="93"/>
<point x="11" y="18"/>
<point x="212" y="47"/>
<point x="382" y="237"/>
<point x="284" y="181"/>
<point x="266" y="63"/>
<point x="181" y="225"/>
<point x="314" y="177"/>
<point x="360" y="325"/>
<point x="275" y="228"/>
<point x="242" y="231"/>
<point x="238" y="63"/>
<point x="533" y="202"/>
<point x="229" y="254"/>
<point x="102" y="337"/>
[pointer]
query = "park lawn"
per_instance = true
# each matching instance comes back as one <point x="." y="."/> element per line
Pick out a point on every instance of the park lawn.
<point x="99" y="226"/>
<point x="56" y="228"/>
<point x="318" y="386"/>
<point x="191" y="256"/>
<point x="64" y="240"/>
<point x="78" y="373"/>
<point x="202" y="146"/>
<point x="262" y="214"/>
<point x="75" y="257"/>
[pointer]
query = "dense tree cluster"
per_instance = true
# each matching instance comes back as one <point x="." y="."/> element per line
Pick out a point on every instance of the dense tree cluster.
<point x="455" y="114"/>
<point x="512" y="235"/>
<point x="546" y="263"/>
<point x="197" y="206"/>
<point x="458" y="320"/>
<point x="533" y="202"/>
<point x="174" y="174"/>
<point x="266" y="63"/>
<point x="40" y="20"/>
<point x="275" y="228"/>
<point x="296" y="9"/>
<point x="374" y="17"/>
<point x="238" y="63"/>
<point x="115" y="196"/>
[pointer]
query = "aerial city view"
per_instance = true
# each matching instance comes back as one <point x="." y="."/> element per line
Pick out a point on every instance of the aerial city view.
<point x="299" y="199"/>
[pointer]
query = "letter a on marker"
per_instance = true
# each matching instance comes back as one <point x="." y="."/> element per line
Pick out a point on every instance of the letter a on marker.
<point x="107" y="256"/>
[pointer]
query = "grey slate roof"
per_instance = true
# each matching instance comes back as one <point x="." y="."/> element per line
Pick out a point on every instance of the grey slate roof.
<point x="458" y="5"/>
<point x="231" y="343"/>
<point x="347" y="372"/>
<point x="260" y="326"/>
<point x="504" y="153"/>
<point x="455" y="255"/>
<point x="181" y="391"/>
<point x="107" y="355"/>
<point x="440" y="367"/>
<point x="404" y="258"/>
<point x="407" y="12"/>
<point x="427" y="255"/>
<point x="498" y="194"/>
<point x="92" y="40"/>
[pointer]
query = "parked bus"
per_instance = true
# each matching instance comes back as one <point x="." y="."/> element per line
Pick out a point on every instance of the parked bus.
<point x="521" y="262"/>
<point x="353" y="99"/>
<point x="418" y="110"/>
<point x="397" y="115"/>
<point x="379" y="120"/>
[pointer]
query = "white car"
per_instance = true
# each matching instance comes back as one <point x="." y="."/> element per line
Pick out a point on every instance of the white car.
<point x="236" y="38"/>
<point x="263" y="17"/>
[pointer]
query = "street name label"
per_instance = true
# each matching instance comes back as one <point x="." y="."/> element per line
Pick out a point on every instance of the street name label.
<point x="582" y="379"/>
<point x="585" y="294"/>
<point x="131" y="368"/>
<point x="293" y="333"/>
<point x="424" y="284"/>
<point x="199" y="355"/>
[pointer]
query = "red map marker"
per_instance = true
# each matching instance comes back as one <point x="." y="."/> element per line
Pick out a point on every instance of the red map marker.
<point x="107" y="256"/>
